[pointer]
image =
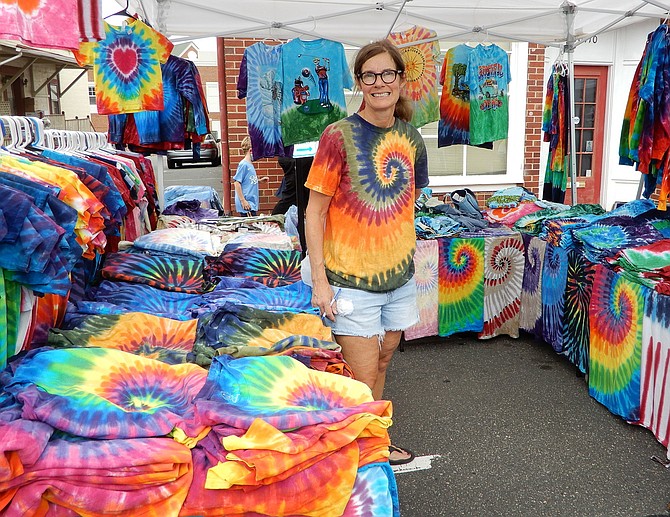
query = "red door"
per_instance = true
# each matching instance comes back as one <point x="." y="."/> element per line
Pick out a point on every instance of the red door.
<point x="590" y="100"/>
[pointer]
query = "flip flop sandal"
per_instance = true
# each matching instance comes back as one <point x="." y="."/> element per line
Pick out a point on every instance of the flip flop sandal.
<point x="393" y="448"/>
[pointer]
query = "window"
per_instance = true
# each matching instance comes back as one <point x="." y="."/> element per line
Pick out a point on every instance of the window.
<point x="91" y="94"/>
<point x="54" y="96"/>
<point x="466" y="165"/>
<point x="215" y="127"/>
<point x="212" y="92"/>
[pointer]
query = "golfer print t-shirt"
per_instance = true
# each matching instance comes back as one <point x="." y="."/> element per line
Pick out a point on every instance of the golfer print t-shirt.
<point x="313" y="75"/>
<point x="488" y="79"/>
<point x="371" y="174"/>
<point x="127" y="67"/>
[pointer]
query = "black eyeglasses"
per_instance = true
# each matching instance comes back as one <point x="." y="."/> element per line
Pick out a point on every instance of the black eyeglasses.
<point x="370" y="78"/>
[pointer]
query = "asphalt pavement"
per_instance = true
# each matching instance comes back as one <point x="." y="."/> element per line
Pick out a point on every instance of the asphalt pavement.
<point x="506" y="427"/>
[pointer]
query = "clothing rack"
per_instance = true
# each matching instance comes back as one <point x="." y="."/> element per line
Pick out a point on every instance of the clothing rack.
<point x="30" y="131"/>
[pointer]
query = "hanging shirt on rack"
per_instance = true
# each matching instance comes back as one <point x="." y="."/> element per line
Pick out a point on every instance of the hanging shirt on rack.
<point x="91" y="26"/>
<point x="645" y="135"/>
<point x="258" y="83"/>
<point x="180" y="86"/>
<point x="488" y="79"/>
<point x="555" y="117"/>
<point x="420" y="72"/>
<point x="45" y="197"/>
<point x="51" y="24"/>
<point x="73" y="192"/>
<point x="33" y="258"/>
<point x="313" y="75"/>
<point x="126" y="66"/>
<point x="112" y="200"/>
<point x="454" y="124"/>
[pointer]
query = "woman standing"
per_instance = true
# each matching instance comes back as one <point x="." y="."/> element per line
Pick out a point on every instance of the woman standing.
<point x="367" y="172"/>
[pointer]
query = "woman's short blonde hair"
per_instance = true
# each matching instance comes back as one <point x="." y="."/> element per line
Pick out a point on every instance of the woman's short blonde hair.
<point x="246" y="144"/>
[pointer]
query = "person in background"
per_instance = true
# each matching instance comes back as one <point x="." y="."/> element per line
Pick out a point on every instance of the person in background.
<point x="246" y="183"/>
<point x="286" y="191"/>
<point x="359" y="224"/>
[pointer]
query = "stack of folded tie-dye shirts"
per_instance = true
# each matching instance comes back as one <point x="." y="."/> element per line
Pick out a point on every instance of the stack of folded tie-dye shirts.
<point x="191" y="380"/>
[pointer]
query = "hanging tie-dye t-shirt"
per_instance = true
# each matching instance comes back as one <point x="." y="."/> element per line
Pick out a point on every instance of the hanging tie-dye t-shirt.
<point x="420" y="72"/>
<point x="51" y="24"/>
<point x="454" y="125"/>
<point x="313" y="75"/>
<point x="371" y="174"/>
<point x="127" y="67"/>
<point x="257" y="83"/>
<point x="488" y="79"/>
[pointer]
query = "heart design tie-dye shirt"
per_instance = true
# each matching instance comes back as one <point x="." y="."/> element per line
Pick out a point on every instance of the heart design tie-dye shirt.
<point x="127" y="67"/>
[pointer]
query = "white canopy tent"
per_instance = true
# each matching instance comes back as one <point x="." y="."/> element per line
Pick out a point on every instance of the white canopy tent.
<point x="356" y="22"/>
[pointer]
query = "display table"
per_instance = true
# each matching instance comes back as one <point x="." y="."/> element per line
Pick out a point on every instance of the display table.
<point x="610" y="327"/>
<point x="469" y="283"/>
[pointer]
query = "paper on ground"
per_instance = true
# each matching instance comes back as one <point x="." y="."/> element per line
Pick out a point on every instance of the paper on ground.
<point x="418" y="463"/>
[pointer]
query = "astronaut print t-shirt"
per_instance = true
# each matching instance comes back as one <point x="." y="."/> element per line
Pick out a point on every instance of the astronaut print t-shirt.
<point x="258" y="83"/>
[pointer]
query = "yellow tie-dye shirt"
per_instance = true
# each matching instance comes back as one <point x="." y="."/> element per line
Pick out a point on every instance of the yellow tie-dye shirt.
<point x="127" y="67"/>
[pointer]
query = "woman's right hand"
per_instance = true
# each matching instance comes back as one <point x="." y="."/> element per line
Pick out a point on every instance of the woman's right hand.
<point x="322" y="298"/>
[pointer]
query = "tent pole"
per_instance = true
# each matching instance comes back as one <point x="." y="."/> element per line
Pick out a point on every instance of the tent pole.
<point x="223" y="116"/>
<point x="569" y="10"/>
<point x="396" y="18"/>
<point x="573" y="132"/>
<point x="625" y="15"/>
<point x="658" y="4"/>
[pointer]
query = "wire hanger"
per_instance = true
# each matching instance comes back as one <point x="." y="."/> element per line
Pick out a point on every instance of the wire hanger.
<point x="404" y="24"/>
<point x="482" y="36"/>
<point x="560" y="66"/>
<point x="122" y="12"/>
<point x="10" y="125"/>
<point x="270" y="38"/>
<point x="666" y="22"/>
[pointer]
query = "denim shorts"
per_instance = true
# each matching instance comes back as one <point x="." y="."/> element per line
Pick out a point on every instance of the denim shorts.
<point x="373" y="314"/>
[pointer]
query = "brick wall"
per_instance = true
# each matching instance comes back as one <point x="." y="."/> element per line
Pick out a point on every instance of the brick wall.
<point x="237" y="122"/>
<point x="534" y="104"/>
<point x="237" y="127"/>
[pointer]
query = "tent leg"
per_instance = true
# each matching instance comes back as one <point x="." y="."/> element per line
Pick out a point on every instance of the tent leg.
<point x="640" y="186"/>
<point x="569" y="11"/>
<point x="573" y="136"/>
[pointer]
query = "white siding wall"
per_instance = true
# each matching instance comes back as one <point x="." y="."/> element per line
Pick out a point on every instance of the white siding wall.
<point x="621" y="51"/>
<point x="36" y="76"/>
<point x="75" y="101"/>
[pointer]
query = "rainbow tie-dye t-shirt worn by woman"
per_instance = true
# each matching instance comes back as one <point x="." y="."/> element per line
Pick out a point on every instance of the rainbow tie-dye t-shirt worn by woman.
<point x="371" y="174"/>
<point x="127" y="67"/>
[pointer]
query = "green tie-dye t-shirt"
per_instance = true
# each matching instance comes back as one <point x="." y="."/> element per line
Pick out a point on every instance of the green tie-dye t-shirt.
<point x="371" y="174"/>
